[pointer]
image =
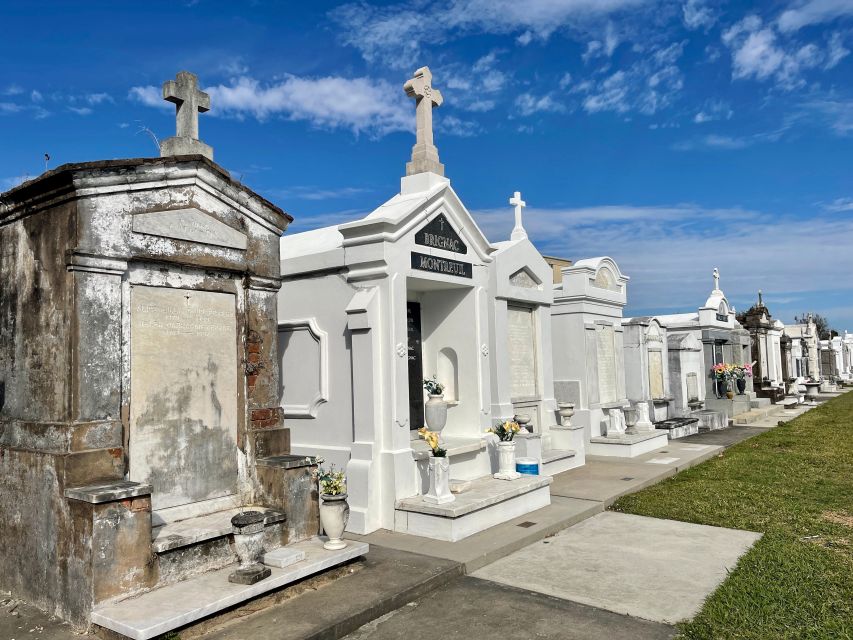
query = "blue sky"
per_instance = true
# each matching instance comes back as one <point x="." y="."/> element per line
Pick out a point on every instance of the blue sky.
<point x="672" y="135"/>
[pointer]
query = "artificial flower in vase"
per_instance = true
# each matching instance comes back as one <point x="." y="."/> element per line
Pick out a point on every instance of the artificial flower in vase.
<point x="505" y="431"/>
<point x="439" y="470"/>
<point x="334" y="509"/>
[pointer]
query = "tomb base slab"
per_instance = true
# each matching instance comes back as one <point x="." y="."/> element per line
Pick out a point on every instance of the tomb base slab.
<point x="679" y="427"/>
<point x="178" y="605"/>
<point x="710" y="420"/>
<point x="487" y="503"/>
<point x="627" y="445"/>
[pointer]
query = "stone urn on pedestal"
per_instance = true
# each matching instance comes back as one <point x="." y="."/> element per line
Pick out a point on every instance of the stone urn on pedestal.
<point x="631" y="417"/>
<point x="565" y="410"/>
<point x="248" y="529"/>
<point x="522" y="420"/>
<point x="435" y="412"/>
<point x="505" y="433"/>
<point x="334" y="515"/>
<point x="435" y="409"/>
<point x="439" y="481"/>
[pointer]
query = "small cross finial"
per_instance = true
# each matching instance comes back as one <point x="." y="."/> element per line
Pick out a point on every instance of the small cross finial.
<point x="716" y="279"/>
<point x="424" y="153"/>
<point x="189" y="101"/>
<point x="518" y="231"/>
<point x="760" y="299"/>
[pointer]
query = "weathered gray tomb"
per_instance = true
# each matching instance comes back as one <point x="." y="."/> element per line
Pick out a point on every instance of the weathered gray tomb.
<point x="139" y="384"/>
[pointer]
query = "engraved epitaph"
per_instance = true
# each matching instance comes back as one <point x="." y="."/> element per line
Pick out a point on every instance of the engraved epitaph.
<point x="656" y="387"/>
<point x="439" y="234"/>
<point x="191" y="225"/>
<point x="522" y="352"/>
<point x="183" y="404"/>
<point x="606" y="357"/>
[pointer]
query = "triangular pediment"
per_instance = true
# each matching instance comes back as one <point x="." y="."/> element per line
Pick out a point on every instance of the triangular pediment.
<point x="525" y="279"/>
<point x="439" y="233"/>
<point x="189" y="224"/>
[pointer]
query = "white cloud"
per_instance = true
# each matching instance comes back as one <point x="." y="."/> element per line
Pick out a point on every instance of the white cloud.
<point x="698" y="15"/>
<point x="98" y="98"/>
<point x="759" y="53"/>
<point x="13" y="90"/>
<point x="528" y="104"/>
<point x="468" y="88"/>
<point x="455" y="126"/>
<point x="808" y="12"/>
<point x="150" y="96"/>
<point x="840" y="205"/>
<point x="81" y="111"/>
<point x="358" y="104"/>
<point x="836" y="51"/>
<point x="669" y="251"/>
<point x="36" y="96"/>
<point x="565" y="80"/>
<point x="713" y="110"/>
<point x="837" y="114"/>
<point x="395" y="34"/>
<point x="314" y="193"/>
<point x="650" y="84"/>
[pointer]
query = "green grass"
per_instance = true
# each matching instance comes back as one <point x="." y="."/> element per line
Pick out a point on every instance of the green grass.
<point x="795" y="485"/>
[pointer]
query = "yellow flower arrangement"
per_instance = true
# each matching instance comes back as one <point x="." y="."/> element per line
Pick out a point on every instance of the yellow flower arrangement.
<point x="505" y="431"/>
<point x="431" y="438"/>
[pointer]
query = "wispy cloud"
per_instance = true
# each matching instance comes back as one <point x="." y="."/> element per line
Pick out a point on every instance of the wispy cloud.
<point x="699" y="14"/>
<point x="527" y="104"/>
<point x="395" y="34"/>
<point x="713" y="110"/>
<point x="840" y="205"/>
<point x="760" y="53"/>
<point x="808" y="12"/>
<point x="669" y="251"/>
<point x="314" y="193"/>
<point x="362" y="105"/>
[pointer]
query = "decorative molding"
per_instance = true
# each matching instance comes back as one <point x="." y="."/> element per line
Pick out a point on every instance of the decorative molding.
<point x="484" y="349"/>
<point x="309" y="409"/>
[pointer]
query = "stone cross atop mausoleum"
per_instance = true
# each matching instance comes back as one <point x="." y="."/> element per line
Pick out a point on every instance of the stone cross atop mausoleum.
<point x="716" y="279"/>
<point x="189" y="102"/>
<point x="424" y="153"/>
<point x="518" y="232"/>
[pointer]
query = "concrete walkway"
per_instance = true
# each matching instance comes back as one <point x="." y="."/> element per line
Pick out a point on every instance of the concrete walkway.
<point x="477" y="609"/>
<point x="659" y="570"/>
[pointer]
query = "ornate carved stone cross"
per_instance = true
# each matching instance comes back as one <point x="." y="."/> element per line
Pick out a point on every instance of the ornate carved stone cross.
<point x="424" y="153"/>
<point x="716" y="279"/>
<point x="189" y="102"/>
<point x="518" y="231"/>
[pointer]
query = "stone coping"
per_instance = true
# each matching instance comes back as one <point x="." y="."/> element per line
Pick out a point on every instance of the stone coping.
<point x="168" y="608"/>
<point x="553" y="455"/>
<point x="562" y="427"/>
<point x="484" y="492"/>
<point x="110" y="491"/>
<point x="454" y="446"/>
<point x="184" y="533"/>
<point x="629" y="438"/>
<point x="288" y="461"/>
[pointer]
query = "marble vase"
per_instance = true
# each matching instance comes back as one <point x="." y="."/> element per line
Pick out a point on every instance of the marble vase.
<point x="566" y="410"/>
<point x="248" y="530"/>
<point x="439" y="481"/>
<point x="506" y="462"/>
<point x="334" y="515"/>
<point x="435" y="412"/>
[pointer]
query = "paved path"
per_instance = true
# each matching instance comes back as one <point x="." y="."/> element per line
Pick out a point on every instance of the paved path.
<point x="654" y="569"/>
<point x="477" y="609"/>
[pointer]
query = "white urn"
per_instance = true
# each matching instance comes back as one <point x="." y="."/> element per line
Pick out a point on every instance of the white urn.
<point x="334" y="515"/>
<point x="435" y="412"/>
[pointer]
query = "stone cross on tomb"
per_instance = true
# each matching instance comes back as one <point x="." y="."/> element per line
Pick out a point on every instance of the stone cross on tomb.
<point x="424" y="153"/>
<point x="518" y="231"/>
<point x="716" y="279"/>
<point x="189" y="102"/>
<point x="760" y="299"/>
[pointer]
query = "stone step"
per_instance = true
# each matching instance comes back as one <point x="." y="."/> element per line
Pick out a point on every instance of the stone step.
<point x="191" y="547"/>
<point x="555" y="455"/>
<point x="454" y="447"/>
<point x="760" y="403"/>
<point x="172" y="607"/>
<point x="488" y="502"/>
<point x="627" y="445"/>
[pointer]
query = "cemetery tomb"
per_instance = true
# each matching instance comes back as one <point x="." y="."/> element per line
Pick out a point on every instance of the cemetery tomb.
<point x="589" y="362"/>
<point x="723" y="340"/>
<point x="140" y="404"/>
<point x="765" y="334"/>
<point x="370" y="308"/>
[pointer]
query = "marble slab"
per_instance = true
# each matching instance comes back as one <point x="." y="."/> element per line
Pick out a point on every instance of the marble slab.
<point x="108" y="491"/>
<point x="194" y="530"/>
<point x="163" y="610"/>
